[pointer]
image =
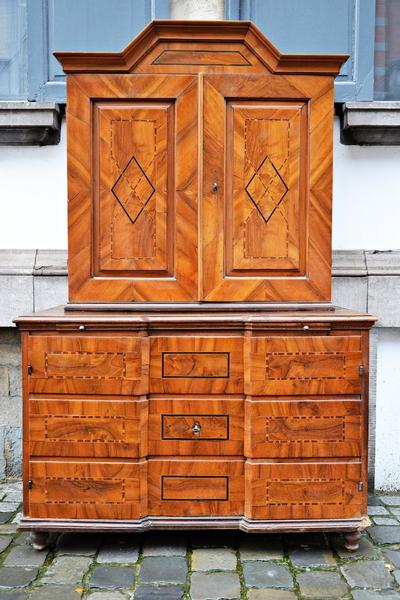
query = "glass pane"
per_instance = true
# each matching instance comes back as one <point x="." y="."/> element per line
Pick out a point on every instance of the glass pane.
<point x="387" y="50"/>
<point x="13" y="78"/>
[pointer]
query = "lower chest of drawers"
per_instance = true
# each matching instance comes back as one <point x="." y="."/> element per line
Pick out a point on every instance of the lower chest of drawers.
<point x="121" y="427"/>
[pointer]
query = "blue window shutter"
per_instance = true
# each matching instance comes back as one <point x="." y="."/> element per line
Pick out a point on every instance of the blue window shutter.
<point x="79" y="26"/>
<point x="322" y="27"/>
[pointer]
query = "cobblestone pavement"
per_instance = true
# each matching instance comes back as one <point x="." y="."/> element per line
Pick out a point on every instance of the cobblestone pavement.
<point x="200" y="566"/>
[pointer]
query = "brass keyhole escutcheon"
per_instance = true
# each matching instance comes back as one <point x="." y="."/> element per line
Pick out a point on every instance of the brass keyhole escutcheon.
<point x="196" y="428"/>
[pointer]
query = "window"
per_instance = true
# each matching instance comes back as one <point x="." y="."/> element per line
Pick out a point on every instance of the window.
<point x="13" y="79"/>
<point x="387" y="50"/>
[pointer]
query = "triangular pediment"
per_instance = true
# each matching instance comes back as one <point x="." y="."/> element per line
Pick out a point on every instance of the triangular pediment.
<point x="199" y="46"/>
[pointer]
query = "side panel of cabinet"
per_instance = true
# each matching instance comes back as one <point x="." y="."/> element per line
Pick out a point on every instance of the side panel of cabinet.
<point x="81" y="490"/>
<point x="267" y="228"/>
<point x="132" y="164"/>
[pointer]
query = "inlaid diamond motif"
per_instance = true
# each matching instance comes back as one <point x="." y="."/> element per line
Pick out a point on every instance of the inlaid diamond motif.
<point x="133" y="190"/>
<point x="266" y="189"/>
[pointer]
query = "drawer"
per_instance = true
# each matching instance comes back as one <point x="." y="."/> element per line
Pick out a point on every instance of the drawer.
<point x="198" y="365"/>
<point x="301" y="365"/>
<point x="298" y="428"/>
<point x="69" y="364"/>
<point x="190" y="487"/>
<point x="299" y="490"/>
<point x="196" y="427"/>
<point x="81" y="490"/>
<point x="83" y="427"/>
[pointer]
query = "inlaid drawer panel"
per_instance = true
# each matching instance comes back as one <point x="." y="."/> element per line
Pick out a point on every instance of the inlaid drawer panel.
<point x="190" y="487"/>
<point x="303" y="428"/>
<point x="195" y="427"/>
<point x="84" y="427"/>
<point x="81" y="490"/>
<point x="89" y="364"/>
<point x="305" y="365"/>
<point x="303" y="490"/>
<point x="200" y="365"/>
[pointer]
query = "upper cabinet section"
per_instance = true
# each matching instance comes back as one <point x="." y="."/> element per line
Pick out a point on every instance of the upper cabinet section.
<point x="199" y="165"/>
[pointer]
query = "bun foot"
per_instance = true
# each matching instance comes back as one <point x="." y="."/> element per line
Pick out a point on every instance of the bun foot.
<point x="39" y="539"/>
<point x="352" y="540"/>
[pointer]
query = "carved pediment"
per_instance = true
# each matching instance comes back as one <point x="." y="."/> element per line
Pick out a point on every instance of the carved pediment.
<point x="196" y="46"/>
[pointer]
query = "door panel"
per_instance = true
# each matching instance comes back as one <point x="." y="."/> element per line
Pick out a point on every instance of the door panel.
<point x="263" y="204"/>
<point x="133" y="198"/>
<point x="267" y="188"/>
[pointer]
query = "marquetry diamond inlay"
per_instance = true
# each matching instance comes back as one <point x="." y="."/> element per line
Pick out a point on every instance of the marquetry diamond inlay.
<point x="266" y="189"/>
<point x="133" y="190"/>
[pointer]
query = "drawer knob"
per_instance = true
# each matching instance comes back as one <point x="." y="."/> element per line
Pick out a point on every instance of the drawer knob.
<point x="196" y="428"/>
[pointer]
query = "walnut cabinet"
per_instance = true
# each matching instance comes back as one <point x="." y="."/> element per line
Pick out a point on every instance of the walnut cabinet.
<point x="200" y="167"/>
<point x="199" y="375"/>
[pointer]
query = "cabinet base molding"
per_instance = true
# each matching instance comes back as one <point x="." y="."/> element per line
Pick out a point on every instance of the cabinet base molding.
<point x="351" y="526"/>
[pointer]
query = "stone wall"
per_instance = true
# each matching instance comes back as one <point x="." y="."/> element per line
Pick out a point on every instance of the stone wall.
<point x="10" y="403"/>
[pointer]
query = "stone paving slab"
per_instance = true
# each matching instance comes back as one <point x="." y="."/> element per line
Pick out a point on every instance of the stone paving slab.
<point x="215" y="586"/>
<point x="163" y="569"/>
<point x="119" y="552"/>
<point x="170" y="592"/>
<point x="213" y="559"/>
<point x="221" y="565"/>
<point x="66" y="569"/>
<point x="17" y="577"/>
<point x="112" y="577"/>
<point x="321" y="585"/>
<point x="368" y="574"/>
<point x="56" y="592"/>
<point x="271" y="595"/>
<point x="261" y="549"/>
<point x="268" y="575"/>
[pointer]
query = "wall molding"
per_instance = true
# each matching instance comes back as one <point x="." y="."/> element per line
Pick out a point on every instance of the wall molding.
<point x="370" y="123"/>
<point x="29" y="123"/>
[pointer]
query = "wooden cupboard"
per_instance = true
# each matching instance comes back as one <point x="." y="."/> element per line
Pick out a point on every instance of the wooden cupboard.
<point x="199" y="375"/>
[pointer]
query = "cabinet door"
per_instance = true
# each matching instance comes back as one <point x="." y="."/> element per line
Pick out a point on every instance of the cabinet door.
<point x="132" y="147"/>
<point x="267" y="188"/>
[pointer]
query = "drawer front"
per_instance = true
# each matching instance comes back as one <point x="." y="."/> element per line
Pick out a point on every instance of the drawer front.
<point x="200" y="365"/>
<point x="305" y="365"/>
<point x="81" y="427"/>
<point x="69" y="364"/>
<point x="95" y="490"/>
<point x="195" y="427"/>
<point x="303" y="490"/>
<point x="190" y="487"/>
<point x="303" y="428"/>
